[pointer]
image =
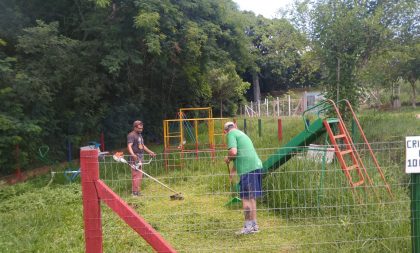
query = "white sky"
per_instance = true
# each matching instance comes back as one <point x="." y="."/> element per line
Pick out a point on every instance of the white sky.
<point x="267" y="8"/>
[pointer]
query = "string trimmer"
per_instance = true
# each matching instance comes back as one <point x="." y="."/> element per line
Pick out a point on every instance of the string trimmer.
<point x="119" y="157"/>
<point x="235" y="199"/>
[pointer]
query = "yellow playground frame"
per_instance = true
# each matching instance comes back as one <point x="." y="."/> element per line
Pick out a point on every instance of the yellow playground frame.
<point x="175" y="141"/>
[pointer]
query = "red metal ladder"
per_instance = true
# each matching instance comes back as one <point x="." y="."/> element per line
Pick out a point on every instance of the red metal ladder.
<point x="343" y="150"/>
<point x="372" y="155"/>
<point x="350" y="149"/>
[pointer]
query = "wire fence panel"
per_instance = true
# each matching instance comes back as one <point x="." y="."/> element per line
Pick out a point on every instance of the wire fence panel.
<point x="273" y="108"/>
<point x="308" y="205"/>
<point x="279" y="107"/>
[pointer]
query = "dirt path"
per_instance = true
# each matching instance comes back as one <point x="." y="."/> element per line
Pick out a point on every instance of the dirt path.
<point x="23" y="176"/>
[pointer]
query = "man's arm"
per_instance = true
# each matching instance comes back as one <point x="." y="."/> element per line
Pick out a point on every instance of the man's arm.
<point x="130" y="150"/>
<point x="232" y="152"/>
<point x="232" y="173"/>
<point x="150" y="152"/>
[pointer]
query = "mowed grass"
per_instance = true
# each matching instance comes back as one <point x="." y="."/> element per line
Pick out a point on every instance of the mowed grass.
<point x="307" y="208"/>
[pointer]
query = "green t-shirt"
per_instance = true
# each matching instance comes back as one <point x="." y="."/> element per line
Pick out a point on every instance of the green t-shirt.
<point x="247" y="159"/>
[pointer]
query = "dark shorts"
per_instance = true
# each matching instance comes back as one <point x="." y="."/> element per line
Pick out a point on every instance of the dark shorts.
<point x="251" y="185"/>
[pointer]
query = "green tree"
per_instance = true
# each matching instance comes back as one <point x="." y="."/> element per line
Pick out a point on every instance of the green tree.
<point x="344" y="33"/>
<point x="15" y="127"/>
<point x="227" y="89"/>
<point x="398" y="56"/>
<point x="81" y="69"/>
<point x="277" y="50"/>
<point x="410" y="69"/>
<point x="349" y="37"/>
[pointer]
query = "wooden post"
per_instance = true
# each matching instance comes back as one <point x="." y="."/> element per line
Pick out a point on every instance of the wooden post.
<point x="266" y="107"/>
<point x="89" y="167"/>
<point x="18" y="171"/>
<point x="196" y="138"/>
<point x="259" y="108"/>
<point x="415" y="212"/>
<point x="102" y="141"/>
<point x="259" y="127"/>
<point x="279" y="129"/>
<point x="93" y="191"/>
<point x="274" y="105"/>
<point x="69" y="149"/>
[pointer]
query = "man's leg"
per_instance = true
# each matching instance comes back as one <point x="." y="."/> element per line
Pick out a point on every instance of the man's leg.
<point x="250" y="190"/>
<point x="247" y="207"/>
<point x="257" y="193"/>
<point x="253" y="205"/>
<point x="250" y="209"/>
<point x="250" y="225"/>
<point x="136" y="181"/>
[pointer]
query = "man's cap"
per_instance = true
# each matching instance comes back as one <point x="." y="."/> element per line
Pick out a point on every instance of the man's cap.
<point x="137" y="122"/>
<point x="228" y="125"/>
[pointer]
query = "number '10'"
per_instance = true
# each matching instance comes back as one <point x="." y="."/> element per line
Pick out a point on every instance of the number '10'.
<point x="413" y="162"/>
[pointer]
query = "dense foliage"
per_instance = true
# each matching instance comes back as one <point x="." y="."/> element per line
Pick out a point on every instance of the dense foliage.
<point x="361" y="45"/>
<point x="74" y="69"/>
<point x="70" y="70"/>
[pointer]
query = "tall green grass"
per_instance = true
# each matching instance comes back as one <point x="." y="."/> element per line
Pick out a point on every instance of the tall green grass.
<point x="307" y="207"/>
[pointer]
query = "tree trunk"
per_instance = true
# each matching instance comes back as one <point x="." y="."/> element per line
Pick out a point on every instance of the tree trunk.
<point x="256" y="85"/>
<point x="338" y="79"/>
<point x="221" y="108"/>
<point x="413" y="98"/>
<point x="395" y="101"/>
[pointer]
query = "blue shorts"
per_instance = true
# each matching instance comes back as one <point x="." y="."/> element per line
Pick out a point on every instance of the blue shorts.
<point x="251" y="185"/>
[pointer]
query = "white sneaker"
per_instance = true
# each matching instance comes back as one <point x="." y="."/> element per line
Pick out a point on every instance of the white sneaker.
<point x="256" y="228"/>
<point x="246" y="231"/>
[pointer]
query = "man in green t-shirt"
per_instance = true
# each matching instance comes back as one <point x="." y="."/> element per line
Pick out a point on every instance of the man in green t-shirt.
<point x="248" y="166"/>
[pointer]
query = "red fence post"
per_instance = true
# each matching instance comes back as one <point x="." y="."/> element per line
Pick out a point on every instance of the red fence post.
<point x="89" y="167"/>
<point x="279" y="129"/>
<point x="102" y="141"/>
<point x="18" y="171"/>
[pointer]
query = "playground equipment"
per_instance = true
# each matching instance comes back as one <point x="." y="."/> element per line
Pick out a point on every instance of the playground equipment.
<point x="119" y="157"/>
<point x="190" y="135"/>
<point x="347" y="155"/>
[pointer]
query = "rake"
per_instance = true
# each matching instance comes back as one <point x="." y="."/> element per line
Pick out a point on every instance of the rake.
<point x="235" y="199"/>
<point x="119" y="157"/>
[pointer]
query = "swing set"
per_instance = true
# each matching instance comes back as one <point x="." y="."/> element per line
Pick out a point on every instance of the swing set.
<point x="194" y="131"/>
